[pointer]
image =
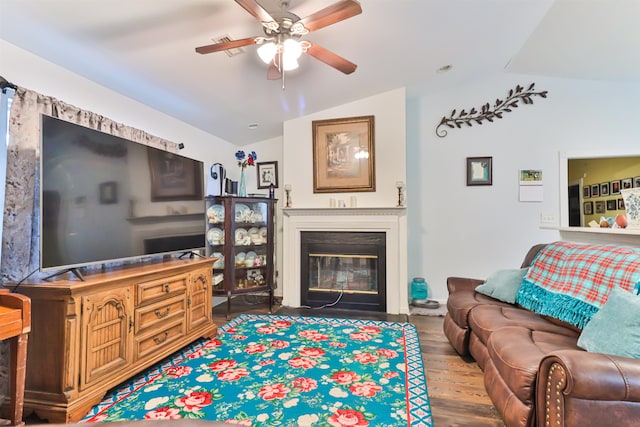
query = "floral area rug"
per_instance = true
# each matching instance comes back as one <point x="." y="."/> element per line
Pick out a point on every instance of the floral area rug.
<point x="271" y="370"/>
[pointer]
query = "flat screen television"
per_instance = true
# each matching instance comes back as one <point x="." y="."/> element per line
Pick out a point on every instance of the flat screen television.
<point x="105" y="198"/>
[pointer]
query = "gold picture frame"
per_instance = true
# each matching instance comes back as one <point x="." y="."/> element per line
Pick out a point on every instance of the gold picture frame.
<point x="343" y="155"/>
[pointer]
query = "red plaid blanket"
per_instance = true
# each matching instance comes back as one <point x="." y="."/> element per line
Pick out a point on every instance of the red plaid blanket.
<point x="571" y="281"/>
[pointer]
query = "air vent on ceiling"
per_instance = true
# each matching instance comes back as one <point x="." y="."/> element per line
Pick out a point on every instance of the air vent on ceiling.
<point x="230" y="52"/>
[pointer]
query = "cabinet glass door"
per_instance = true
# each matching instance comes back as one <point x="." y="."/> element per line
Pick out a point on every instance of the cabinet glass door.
<point x="250" y="245"/>
<point x="216" y="240"/>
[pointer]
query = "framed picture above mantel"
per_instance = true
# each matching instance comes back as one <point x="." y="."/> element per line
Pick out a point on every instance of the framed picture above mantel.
<point x="343" y="155"/>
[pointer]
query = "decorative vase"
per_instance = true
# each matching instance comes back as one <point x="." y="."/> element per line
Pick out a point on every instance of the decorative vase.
<point x="631" y="198"/>
<point x="242" y="189"/>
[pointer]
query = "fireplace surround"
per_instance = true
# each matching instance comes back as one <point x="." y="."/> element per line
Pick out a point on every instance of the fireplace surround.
<point x="389" y="221"/>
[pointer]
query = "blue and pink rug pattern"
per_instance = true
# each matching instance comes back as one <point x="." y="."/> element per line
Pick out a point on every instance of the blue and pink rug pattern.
<point x="274" y="370"/>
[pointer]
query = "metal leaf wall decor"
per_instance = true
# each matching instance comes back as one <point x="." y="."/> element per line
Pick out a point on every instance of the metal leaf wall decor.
<point x="487" y="112"/>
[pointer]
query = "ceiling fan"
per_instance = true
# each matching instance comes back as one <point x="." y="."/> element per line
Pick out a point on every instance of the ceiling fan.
<point x="281" y="45"/>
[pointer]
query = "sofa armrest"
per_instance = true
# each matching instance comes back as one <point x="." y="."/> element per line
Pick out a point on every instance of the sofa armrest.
<point x="456" y="284"/>
<point x="578" y="388"/>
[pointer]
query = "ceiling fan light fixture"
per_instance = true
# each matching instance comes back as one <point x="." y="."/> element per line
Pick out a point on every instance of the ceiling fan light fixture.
<point x="292" y="49"/>
<point x="289" y="63"/>
<point x="267" y="51"/>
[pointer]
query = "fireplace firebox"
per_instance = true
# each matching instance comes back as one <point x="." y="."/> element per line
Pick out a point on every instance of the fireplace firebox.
<point x="343" y="269"/>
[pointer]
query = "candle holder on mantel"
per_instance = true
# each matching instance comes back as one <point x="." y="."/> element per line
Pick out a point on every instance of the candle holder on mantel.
<point x="287" y="191"/>
<point x="400" y="187"/>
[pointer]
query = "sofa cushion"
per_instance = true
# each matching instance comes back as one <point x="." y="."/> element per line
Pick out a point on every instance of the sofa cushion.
<point x="513" y="411"/>
<point x="503" y="284"/>
<point x="486" y="319"/>
<point x="459" y="304"/>
<point x="615" y="328"/>
<point x="516" y="353"/>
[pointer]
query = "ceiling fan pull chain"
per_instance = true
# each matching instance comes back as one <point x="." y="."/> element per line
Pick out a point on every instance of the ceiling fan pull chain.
<point x="282" y="80"/>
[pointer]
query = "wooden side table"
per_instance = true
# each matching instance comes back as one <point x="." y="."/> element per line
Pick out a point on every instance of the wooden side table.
<point x="15" y="324"/>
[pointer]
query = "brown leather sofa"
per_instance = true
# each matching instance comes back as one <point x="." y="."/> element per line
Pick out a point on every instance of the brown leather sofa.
<point x="534" y="372"/>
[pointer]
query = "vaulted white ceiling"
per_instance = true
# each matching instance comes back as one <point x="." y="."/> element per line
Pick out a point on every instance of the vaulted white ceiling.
<point x="144" y="49"/>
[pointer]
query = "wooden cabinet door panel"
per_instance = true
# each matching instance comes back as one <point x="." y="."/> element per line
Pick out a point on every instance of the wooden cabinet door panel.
<point x="199" y="299"/>
<point x="106" y="318"/>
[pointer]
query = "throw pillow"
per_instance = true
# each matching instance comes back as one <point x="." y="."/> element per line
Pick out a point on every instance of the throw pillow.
<point x="503" y="285"/>
<point x="615" y="328"/>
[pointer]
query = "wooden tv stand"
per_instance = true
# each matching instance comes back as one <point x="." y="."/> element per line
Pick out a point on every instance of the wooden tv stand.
<point x="89" y="336"/>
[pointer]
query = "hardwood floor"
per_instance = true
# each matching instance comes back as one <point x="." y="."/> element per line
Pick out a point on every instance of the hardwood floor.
<point x="455" y="385"/>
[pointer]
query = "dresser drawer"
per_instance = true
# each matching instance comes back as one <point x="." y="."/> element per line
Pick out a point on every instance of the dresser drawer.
<point x="161" y="288"/>
<point x="164" y="311"/>
<point x="158" y="339"/>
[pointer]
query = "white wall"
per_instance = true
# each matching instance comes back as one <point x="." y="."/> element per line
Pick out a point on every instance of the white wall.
<point x="268" y="151"/>
<point x="33" y="72"/>
<point x="455" y="230"/>
<point x="390" y="158"/>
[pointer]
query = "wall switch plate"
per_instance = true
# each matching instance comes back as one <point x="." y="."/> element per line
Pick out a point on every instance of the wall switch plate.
<point x="547" y="218"/>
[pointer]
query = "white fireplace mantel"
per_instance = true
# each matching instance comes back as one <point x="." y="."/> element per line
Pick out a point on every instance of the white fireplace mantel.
<point x="390" y="220"/>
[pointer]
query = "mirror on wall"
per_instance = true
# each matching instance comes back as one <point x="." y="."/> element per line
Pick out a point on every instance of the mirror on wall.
<point x="593" y="187"/>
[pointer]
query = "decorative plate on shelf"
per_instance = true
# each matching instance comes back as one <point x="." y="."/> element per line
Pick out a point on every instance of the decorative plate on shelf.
<point x="253" y="231"/>
<point x="240" y="257"/>
<point x="215" y="213"/>
<point x="241" y="236"/>
<point x="243" y="212"/>
<point x="259" y="212"/>
<point x="215" y="236"/>
<point x="219" y="263"/>
<point x="263" y="233"/>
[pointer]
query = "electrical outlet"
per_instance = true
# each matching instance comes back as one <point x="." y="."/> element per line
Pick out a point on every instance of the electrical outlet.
<point x="547" y="218"/>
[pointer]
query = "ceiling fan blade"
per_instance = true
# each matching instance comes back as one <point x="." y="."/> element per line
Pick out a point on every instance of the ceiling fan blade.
<point x="218" y="47"/>
<point x="331" y="14"/>
<point x="273" y="73"/>
<point x="330" y="58"/>
<point x="256" y="10"/>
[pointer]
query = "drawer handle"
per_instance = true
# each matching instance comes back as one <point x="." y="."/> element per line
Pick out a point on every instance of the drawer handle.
<point x="161" y="314"/>
<point x="161" y="340"/>
<point x="166" y="287"/>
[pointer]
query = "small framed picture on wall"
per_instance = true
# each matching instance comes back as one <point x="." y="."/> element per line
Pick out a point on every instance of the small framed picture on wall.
<point x="620" y="204"/>
<point x="479" y="171"/>
<point x="626" y="183"/>
<point x="636" y="182"/>
<point x="600" y="207"/>
<point x="612" y="205"/>
<point x="586" y="192"/>
<point x="604" y="189"/>
<point x="595" y="190"/>
<point x="588" y="208"/>
<point x="615" y="187"/>
<point x="267" y="174"/>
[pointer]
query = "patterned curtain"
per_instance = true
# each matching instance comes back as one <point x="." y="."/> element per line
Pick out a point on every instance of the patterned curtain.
<point x="20" y="237"/>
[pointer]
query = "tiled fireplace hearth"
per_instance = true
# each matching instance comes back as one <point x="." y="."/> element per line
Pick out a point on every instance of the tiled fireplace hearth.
<point x="389" y="222"/>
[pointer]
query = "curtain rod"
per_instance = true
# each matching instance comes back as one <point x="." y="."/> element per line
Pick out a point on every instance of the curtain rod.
<point x="4" y="83"/>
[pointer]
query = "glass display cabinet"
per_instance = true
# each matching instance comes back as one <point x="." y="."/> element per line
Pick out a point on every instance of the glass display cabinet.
<point x="240" y="233"/>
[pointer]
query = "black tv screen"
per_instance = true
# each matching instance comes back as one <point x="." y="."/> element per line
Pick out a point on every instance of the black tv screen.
<point x="104" y="198"/>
